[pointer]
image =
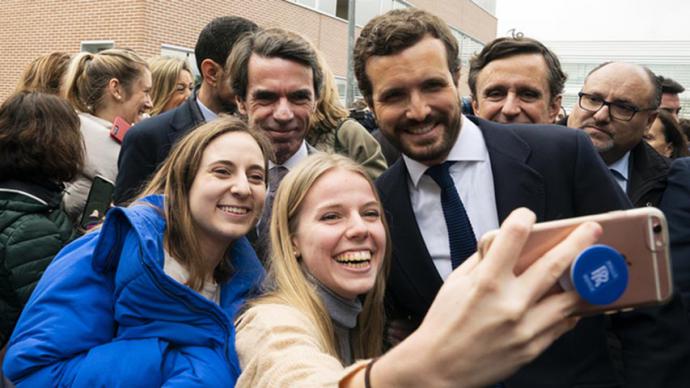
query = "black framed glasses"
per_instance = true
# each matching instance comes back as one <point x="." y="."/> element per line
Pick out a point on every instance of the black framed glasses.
<point x="617" y="110"/>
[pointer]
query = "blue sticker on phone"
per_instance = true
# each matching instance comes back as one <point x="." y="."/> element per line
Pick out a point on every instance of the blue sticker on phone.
<point x="599" y="274"/>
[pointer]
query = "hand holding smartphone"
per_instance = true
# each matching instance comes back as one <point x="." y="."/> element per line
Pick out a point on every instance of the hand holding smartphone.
<point x="639" y="235"/>
<point x="97" y="203"/>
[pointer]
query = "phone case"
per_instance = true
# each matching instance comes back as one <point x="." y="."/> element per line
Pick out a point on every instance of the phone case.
<point x="97" y="202"/>
<point x="119" y="129"/>
<point x="640" y="235"/>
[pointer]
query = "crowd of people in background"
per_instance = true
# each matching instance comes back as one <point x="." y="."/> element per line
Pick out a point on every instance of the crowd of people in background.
<point x="250" y="230"/>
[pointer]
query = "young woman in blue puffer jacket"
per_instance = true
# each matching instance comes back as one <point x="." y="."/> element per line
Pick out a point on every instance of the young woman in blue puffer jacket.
<point x="148" y="299"/>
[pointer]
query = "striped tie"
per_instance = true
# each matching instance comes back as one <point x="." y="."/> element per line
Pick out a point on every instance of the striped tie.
<point x="460" y="234"/>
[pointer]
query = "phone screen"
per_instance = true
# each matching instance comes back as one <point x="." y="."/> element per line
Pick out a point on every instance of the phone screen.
<point x="97" y="203"/>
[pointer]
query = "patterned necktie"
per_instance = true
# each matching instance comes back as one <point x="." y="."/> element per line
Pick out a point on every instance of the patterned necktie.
<point x="275" y="176"/>
<point x="460" y="234"/>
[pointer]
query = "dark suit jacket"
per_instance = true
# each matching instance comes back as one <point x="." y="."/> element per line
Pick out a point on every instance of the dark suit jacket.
<point x="148" y="143"/>
<point x="647" y="175"/>
<point x="555" y="172"/>
<point x="676" y="205"/>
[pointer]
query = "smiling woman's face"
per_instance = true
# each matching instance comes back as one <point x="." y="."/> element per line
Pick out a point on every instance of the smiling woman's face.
<point x="228" y="192"/>
<point x="137" y="101"/>
<point x="340" y="235"/>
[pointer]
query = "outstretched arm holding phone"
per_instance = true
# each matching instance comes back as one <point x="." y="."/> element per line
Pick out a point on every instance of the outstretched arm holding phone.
<point x="486" y="322"/>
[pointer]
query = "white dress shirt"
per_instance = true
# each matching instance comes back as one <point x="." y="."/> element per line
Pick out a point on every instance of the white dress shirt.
<point x="208" y="114"/>
<point x="620" y="167"/>
<point x="474" y="183"/>
<point x="294" y="160"/>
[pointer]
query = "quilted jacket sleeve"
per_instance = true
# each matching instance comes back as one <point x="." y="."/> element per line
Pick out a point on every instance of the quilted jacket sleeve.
<point x="27" y="246"/>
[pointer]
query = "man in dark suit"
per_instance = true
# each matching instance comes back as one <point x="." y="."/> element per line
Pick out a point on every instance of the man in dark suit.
<point x="676" y="206"/>
<point x="670" y="96"/>
<point x="516" y="80"/>
<point x="148" y="143"/>
<point x="407" y="69"/>
<point x="277" y="79"/>
<point x="616" y="106"/>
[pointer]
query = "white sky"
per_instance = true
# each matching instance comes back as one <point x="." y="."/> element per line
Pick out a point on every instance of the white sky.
<point x="595" y="19"/>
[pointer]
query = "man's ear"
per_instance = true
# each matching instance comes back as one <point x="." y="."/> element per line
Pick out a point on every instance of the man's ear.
<point x="211" y="72"/>
<point x="555" y="108"/>
<point x="241" y="105"/>
<point x="650" y="119"/>
<point x="456" y="79"/>
<point x="475" y="106"/>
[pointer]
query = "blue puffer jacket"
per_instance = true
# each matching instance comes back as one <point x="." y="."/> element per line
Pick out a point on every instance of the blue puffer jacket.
<point x="106" y="315"/>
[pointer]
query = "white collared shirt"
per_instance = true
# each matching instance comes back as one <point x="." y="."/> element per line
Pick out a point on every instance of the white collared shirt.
<point x="621" y="167"/>
<point x="208" y="114"/>
<point x="294" y="160"/>
<point x="474" y="183"/>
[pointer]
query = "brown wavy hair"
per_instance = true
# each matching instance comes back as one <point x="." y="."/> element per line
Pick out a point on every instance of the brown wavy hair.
<point x="174" y="180"/>
<point x="44" y="74"/>
<point x="395" y="31"/>
<point x="40" y="138"/>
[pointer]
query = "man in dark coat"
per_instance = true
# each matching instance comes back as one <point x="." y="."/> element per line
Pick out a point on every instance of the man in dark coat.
<point x="617" y="104"/>
<point x="407" y="69"/>
<point x="676" y="206"/>
<point x="148" y="143"/>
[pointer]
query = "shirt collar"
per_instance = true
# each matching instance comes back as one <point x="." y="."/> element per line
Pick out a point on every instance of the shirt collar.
<point x="207" y="113"/>
<point x="469" y="146"/>
<point x="297" y="157"/>
<point x="621" y="166"/>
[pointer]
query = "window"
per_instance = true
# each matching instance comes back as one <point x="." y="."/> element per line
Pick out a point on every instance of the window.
<point x="341" y="83"/>
<point x="468" y="46"/>
<point x="488" y="5"/>
<point x="187" y="54"/>
<point x="365" y="10"/>
<point x="95" y="46"/>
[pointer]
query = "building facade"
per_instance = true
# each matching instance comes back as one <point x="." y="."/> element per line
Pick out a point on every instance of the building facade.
<point x="668" y="58"/>
<point x="170" y="27"/>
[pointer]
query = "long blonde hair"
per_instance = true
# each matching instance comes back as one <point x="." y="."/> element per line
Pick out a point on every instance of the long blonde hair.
<point x="164" y="74"/>
<point x="287" y="278"/>
<point x="88" y="76"/>
<point x="174" y="180"/>
<point x="329" y="112"/>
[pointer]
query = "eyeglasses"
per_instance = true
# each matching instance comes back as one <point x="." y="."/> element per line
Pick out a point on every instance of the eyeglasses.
<point x="617" y="110"/>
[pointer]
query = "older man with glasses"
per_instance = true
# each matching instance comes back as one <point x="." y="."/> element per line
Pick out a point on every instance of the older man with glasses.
<point x="617" y="104"/>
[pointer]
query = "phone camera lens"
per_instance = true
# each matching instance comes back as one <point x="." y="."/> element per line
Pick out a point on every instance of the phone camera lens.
<point x="656" y="228"/>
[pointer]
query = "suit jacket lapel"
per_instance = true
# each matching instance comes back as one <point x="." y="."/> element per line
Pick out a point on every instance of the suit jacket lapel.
<point x="408" y="244"/>
<point x="516" y="184"/>
<point x="187" y="117"/>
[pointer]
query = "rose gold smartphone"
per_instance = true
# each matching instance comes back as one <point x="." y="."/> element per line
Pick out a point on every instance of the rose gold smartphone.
<point x="640" y="235"/>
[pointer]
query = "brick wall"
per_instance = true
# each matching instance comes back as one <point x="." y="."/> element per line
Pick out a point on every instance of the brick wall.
<point x="31" y="28"/>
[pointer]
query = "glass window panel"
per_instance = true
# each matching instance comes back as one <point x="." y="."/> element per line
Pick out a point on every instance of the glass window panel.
<point x="308" y="3"/>
<point x="328" y="6"/>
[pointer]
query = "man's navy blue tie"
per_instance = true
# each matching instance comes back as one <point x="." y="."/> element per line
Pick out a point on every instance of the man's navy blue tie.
<point x="461" y="237"/>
